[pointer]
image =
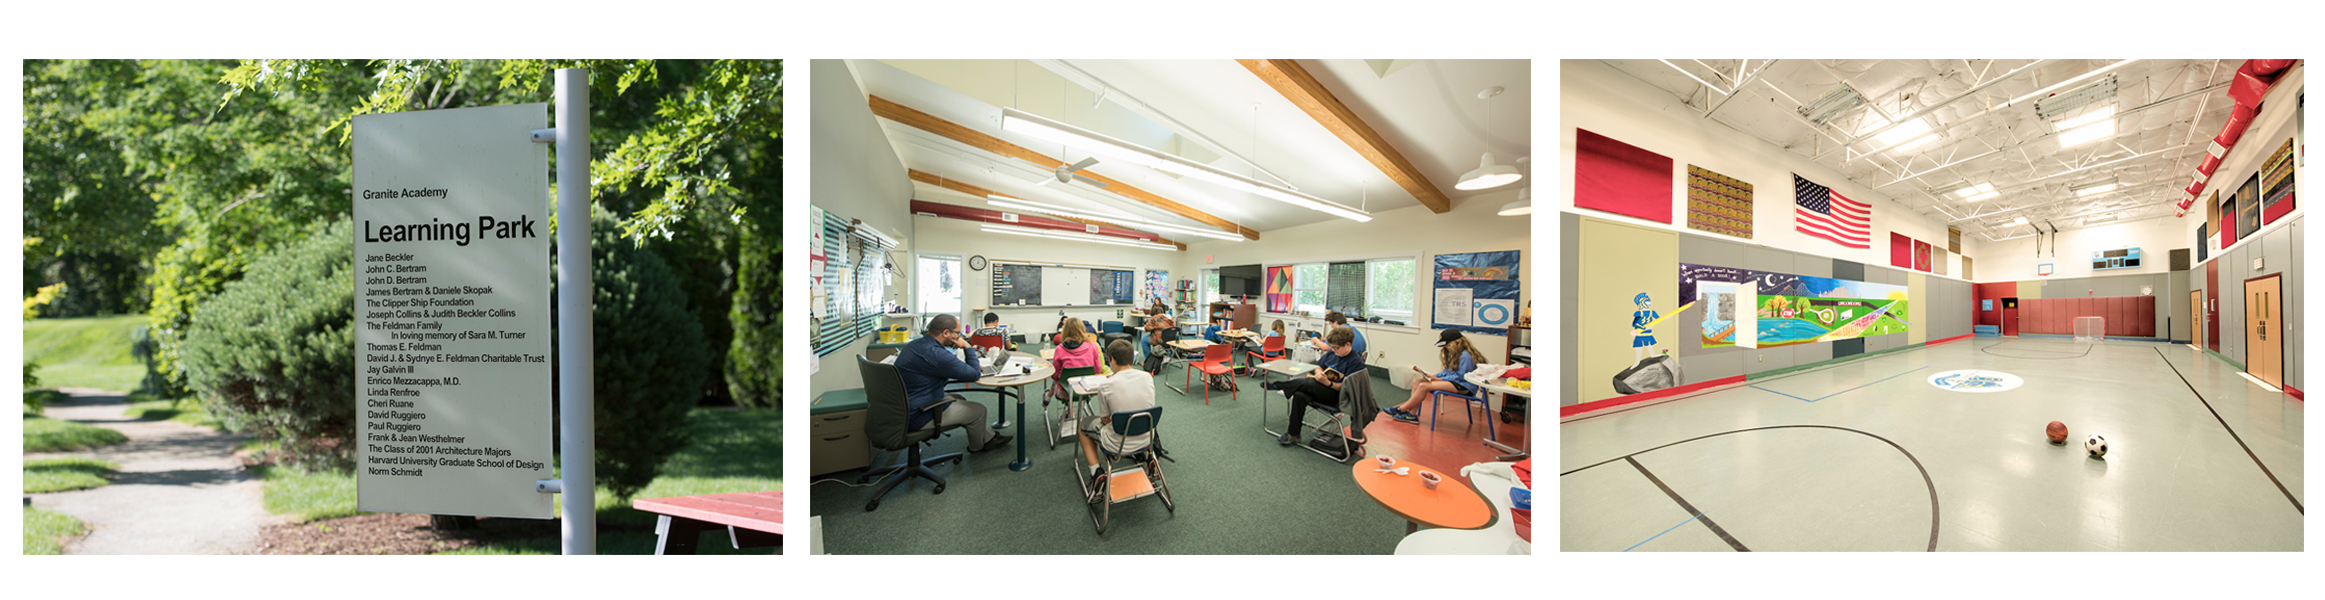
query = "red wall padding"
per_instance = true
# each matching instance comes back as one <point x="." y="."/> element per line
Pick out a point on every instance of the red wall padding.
<point x="2127" y="316"/>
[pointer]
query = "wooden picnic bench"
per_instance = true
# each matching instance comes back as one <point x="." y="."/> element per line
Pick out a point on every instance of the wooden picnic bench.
<point x="751" y="519"/>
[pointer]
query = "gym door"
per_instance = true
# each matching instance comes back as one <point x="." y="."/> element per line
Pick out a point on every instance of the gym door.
<point x="2264" y="335"/>
<point x="2196" y="317"/>
<point x="2009" y="317"/>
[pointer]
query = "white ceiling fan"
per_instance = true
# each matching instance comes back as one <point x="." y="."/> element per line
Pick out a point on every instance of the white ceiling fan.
<point x="1066" y="174"/>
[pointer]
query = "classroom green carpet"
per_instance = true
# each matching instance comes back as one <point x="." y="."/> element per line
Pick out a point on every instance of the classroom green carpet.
<point x="1237" y="493"/>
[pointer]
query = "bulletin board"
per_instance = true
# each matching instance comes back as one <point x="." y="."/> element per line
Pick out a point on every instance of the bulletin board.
<point x="1475" y="292"/>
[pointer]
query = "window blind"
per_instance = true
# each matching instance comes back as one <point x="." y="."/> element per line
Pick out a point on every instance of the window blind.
<point x="1344" y="289"/>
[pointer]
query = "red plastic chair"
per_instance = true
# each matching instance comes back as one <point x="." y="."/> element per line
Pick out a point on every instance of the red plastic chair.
<point x="989" y="341"/>
<point x="1269" y="349"/>
<point x="1215" y="358"/>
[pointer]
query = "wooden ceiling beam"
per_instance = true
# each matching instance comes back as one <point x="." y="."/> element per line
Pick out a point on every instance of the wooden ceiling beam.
<point x="1294" y="82"/>
<point x="884" y="108"/>
<point x="973" y="190"/>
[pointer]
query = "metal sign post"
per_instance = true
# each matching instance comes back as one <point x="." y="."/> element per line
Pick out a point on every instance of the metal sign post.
<point x="576" y="339"/>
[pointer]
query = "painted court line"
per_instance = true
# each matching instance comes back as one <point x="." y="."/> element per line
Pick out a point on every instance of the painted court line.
<point x="1907" y="372"/>
<point x="1650" y="539"/>
<point x="2272" y="476"/>
<point x="1683" y="505"/>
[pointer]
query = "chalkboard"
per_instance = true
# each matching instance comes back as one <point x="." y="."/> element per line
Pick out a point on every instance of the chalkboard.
<point x="1012" y="283"/>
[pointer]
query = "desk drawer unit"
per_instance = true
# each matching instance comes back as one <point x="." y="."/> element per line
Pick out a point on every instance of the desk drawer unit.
<point x="838" y="443"/>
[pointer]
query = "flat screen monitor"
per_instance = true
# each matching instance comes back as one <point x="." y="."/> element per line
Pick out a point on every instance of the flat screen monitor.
<point x="1243" y="280"/>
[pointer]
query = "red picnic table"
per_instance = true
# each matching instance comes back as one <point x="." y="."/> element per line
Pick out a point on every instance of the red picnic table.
<point x="751" y="519"/>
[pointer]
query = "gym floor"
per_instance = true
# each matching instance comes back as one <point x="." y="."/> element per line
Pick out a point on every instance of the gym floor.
<point x="1868" y="455"/>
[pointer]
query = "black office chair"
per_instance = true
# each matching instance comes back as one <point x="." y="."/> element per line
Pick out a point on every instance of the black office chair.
<point x="888" y="422"/>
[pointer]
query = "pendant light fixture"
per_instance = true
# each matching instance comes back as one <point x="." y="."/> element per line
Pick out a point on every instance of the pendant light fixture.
<point x="1488" y="174"/>
<point x="1524" y="205"/>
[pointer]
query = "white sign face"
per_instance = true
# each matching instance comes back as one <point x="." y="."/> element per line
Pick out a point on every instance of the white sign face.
<point x="452" y="213"/>
<point x="1973" y="381"/>
<point x="1453" y="307"/>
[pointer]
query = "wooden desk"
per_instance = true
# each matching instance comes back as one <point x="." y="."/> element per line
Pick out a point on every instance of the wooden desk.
<point x="1453" y="505"/>
<point x="752" y="520"/>
<point x="1013" y="386"/>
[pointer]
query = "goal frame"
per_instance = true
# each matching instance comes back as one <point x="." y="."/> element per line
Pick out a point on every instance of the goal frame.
<point x="2090" y="329"/>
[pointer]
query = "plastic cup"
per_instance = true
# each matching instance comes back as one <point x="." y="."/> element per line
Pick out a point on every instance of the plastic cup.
<point x="1386" y="462"/>
<point x="1429" y="479"/>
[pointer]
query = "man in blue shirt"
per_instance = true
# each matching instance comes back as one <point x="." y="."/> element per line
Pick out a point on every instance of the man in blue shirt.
<point x="928" y="365"/>
<point x="1335" y="319"/>
<point x="1317" y="387"/>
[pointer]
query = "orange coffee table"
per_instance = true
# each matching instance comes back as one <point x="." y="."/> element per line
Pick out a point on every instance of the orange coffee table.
<point x="1453" y="505"/>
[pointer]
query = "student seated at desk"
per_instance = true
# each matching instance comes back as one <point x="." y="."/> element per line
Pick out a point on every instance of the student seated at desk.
<point x="1459" y="359"/>
<point x="993" y="328"/>
<point x="1335" y="319"/>
<point x="1160" y="329"/>
<point x="1075" y="349"/>
<point x="1128" y="389"/>
<point x="1318" y="386"/>
<point x="927" y="365"/>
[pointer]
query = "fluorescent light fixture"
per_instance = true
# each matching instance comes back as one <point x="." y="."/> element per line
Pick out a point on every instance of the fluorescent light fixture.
<point x="2096" y="123"/>
<point x="1905" y="136"/>
<point x="2095" y="187"/>
<point x="1488" y="175"/>
<point x="1031" y="206"/>
<point x="1524" y="205"/>
<point x="2018" y="221"/>
<point x="1077" y="237"/>
<point x="1974" y="193"/>
<point x="1029" y="124"/>
<point x="2101" y="218"/>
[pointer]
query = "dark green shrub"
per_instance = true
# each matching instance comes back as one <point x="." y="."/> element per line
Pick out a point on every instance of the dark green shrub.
<point x="651" y="358"/>
<point x="275" y="351"/>
<point x="754" y="368"/>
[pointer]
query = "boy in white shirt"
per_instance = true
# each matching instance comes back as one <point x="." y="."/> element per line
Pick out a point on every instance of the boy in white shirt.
<point x="1127" y="389"/>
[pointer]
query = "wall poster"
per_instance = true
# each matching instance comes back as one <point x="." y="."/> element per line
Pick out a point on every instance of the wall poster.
<point x="1760" y="309"/>
<point x="1490" y="282"/>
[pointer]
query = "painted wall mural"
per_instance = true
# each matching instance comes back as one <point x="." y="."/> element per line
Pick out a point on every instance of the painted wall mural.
<point x="1784" y="309"/>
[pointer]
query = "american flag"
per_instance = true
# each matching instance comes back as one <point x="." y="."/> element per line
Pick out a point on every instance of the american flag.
<point x="1819" y="212"/>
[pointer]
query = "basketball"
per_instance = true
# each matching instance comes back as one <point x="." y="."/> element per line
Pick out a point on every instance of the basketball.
<point x="2058" y="432"/>
<point x="2097" y="446"/>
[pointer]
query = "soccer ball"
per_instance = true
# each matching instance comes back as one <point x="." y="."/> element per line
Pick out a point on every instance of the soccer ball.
<point x="2096" y="445"/>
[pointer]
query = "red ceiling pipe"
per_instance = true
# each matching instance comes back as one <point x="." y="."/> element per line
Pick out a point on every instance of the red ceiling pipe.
<point x="2252" y="82"/>
<point x="986" y="215"/>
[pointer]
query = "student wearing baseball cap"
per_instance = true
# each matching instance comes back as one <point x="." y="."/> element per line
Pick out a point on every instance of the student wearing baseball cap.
<point x="1459" y="358"/>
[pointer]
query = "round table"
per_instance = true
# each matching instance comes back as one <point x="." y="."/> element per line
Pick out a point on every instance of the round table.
<point x="1453" y="505"/>
<point x="1009" y="387"/>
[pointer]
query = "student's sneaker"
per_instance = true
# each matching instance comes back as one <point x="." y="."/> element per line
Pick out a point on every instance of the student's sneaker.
<point x="1284" y="440"/>
<point x="998" y="442"/>
<point x="1406" y="417"/>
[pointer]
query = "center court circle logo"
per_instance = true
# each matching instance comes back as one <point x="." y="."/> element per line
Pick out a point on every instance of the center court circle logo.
<point x="1976" y="381"/>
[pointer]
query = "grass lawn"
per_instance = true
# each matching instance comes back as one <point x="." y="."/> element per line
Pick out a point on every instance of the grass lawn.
<point x="733" y="451"/>
<point x="45" y="531"/>
<point x="65" y="474"/>
<point x="90" y="352"/>
<point x="42" y="434"/>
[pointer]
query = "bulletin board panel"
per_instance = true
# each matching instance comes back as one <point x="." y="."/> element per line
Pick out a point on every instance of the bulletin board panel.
<point x="1475" y="292"/>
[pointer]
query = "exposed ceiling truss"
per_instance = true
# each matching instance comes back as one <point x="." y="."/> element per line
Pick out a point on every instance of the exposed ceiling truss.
<point x="1975" y="143"/>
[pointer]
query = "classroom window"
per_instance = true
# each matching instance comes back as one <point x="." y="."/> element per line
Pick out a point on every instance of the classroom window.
<point x="937" y="284"/>
<point x="1389" y="289"/>
<point x="1308" y="284"/>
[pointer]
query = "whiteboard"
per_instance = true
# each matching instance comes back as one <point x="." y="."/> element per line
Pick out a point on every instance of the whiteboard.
<point x="1065" y="285"/>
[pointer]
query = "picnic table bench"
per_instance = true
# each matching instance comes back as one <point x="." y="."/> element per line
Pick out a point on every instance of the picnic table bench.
<point x="751" y="519"/>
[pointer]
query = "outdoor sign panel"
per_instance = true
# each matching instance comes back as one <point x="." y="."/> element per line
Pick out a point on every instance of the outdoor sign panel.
<point x="452" y="212"/>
